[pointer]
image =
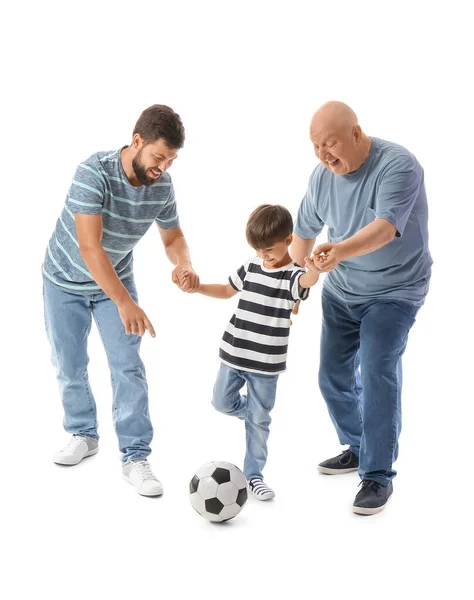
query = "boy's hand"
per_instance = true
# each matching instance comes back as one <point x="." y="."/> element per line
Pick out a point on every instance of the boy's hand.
<point x="314" y="263"/>
<point x="185" y="277"/>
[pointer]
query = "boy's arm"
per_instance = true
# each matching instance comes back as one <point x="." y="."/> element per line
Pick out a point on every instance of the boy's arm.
<point x="312" y="275"/>
<point x="217" y="290"/>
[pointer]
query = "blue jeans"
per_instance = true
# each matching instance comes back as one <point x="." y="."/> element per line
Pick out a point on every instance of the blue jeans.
<point x="254" y="408"/>
<point x="68" y="319"/>
<point x="360" y="377"/>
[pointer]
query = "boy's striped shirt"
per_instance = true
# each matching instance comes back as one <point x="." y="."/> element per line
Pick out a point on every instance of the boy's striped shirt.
<point x="100" y="186"/>
<point x="256" y="337"/>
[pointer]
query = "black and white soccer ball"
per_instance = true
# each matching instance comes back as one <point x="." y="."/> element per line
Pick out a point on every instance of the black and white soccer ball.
<point x="218" y="491"/>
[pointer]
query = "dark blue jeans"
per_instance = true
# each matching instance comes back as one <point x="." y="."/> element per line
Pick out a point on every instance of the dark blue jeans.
<point x="360" y="377"/>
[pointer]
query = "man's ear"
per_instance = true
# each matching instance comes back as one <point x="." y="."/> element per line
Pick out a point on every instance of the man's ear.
<point x="357" y="133"/>
<point x="289" y="239"/>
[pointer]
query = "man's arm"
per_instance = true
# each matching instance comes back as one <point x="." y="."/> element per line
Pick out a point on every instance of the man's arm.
<point x="89" y="236"/>
<point x="300" y="248"/>
<point x="177" y="251"/>
<point x="370" y="238"/>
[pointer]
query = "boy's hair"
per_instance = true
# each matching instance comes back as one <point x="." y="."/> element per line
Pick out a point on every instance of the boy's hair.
<point x="160" y="121"/>
<point x="268" y="225"/>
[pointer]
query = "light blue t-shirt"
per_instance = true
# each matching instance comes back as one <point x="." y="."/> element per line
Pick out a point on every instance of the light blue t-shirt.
<point x="389" y="185"/>
<point x="100" y="187"/>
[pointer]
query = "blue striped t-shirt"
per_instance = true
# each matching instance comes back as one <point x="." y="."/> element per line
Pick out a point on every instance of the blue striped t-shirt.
<point x="100" y="186"/>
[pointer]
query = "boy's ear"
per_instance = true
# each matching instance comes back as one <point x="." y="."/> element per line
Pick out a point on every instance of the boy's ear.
<point x="289" y="239"/>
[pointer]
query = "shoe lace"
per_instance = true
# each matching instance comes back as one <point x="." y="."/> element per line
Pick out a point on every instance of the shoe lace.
<point x="74" y="443"/>
<point x="369" y="483"/>
<point x="143" y="470"/>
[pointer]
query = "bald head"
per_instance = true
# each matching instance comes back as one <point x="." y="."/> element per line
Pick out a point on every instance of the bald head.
<point x="334" y="115"/>
<point x="338" y="140"/>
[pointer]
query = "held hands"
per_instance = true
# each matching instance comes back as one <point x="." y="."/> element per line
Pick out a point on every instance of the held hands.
<point x="325" y="257"/>
<point x="134" y="318"/>
<point x="185" y="278"/>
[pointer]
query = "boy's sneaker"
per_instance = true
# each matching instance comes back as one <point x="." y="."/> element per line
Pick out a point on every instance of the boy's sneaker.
<point x="138" y="472"/>
<point x="260" y="489"/>
<point x="372" y="498"/>
<point x="79" y="447"/>
<point x="344" y="463"/>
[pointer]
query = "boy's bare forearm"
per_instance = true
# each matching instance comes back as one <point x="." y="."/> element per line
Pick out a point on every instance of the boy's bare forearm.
<point x="308" y="279"/>
<point x="216" y="290"/>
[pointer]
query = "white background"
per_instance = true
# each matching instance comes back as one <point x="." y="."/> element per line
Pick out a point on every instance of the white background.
<point x="246" y="78"/>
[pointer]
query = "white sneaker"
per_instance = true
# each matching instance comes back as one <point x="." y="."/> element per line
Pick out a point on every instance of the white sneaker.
<point x="139" y="474"/>
<point x="260" y="489"/>
<point x="78" y="448"/>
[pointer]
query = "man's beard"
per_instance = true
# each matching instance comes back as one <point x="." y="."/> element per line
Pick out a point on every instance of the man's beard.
<point x="140" y="171"/>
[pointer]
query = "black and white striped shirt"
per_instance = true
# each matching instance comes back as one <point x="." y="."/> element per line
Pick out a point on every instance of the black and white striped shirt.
<point x="256" y="338"/>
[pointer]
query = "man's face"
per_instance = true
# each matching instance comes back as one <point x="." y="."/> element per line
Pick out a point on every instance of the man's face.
<point x="152" y="160"/>
<point x="338" y="150"/>
<point x="275" y="254"/>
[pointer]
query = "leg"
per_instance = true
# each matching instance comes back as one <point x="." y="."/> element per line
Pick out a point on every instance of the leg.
<point x="68" y="323"/>
<point x="384" y="333"/>
<point x="261" y="392"/>
<point x="130" y="389"/>
<point x="339" y="378"/>
<point x="227" y="398"/>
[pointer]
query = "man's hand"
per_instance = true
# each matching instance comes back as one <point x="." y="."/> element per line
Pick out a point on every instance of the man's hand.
<point x="134" y="318"/>
<point x="185" y="278"/>
<point x="314" y="263"/>
<point x="328" y="256"/>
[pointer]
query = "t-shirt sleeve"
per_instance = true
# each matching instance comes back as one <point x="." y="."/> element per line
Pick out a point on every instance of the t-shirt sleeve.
<point x="397" y="193"/>
<point x="298" y="292"/>
<point x="237" y="278"/>
<point x="87" y="191"/>
<point x="168" y="217"/>
<point x="308" y="223"/>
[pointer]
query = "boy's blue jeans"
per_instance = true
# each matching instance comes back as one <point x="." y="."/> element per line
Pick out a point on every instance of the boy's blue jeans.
<point x="254" y="408"/>
<point x="68" y="319"/>
<point x="365" y="403"/>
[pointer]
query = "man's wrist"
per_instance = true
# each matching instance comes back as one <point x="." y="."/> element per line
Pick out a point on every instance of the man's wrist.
<point x="184" y="264"/>
<point x="344" y="250"/>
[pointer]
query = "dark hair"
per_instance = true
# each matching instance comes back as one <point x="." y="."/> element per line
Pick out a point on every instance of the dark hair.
<point x="267" y="225"/>
<point x="160" y="121"/>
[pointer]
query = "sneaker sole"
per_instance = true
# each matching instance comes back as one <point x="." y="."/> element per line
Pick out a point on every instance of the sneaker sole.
<point x="360" y="510"/>
<point x="128" y="480"/>
<point x="329" y="471"/>
<point x="263" y="498"/>
<point x="71" y="464"/>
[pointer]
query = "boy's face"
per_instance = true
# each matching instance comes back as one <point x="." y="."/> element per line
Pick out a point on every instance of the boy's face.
<point x="276" y="255"/>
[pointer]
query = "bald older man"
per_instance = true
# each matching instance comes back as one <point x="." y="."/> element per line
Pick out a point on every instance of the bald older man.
<point x="370" y="194"/>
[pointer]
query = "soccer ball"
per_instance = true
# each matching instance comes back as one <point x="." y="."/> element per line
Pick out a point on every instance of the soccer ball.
<point x="218" y="491"/>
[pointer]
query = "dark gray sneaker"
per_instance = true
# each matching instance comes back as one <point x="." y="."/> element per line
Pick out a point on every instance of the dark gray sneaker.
<point x="372" y="498"/>
<point x="344" y="463"/>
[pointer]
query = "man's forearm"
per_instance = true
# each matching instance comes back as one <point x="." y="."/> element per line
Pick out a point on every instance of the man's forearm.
<point x="300" y="248"/>
<point x="370" y="238"/>
<point x="104" y="274"/>
<point x="178" y="251"/>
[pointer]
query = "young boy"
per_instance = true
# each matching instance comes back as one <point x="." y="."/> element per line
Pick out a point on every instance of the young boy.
<point x="254" y="345"/>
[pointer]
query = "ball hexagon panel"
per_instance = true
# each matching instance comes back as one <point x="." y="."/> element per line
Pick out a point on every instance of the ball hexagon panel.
<point x="237" y="478"/>
<point x="230" y="511"/>
<point x="227" y="493"/>
<point x="207" y="488"/>
<point x="198" y="503"/>
<point x="206" y="470"/>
